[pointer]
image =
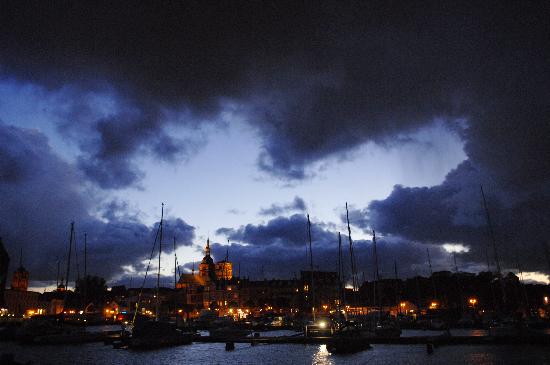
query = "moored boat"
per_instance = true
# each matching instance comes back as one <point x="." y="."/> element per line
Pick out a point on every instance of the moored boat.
<point x="349" y="339"/>
<point x="150" y="334"/>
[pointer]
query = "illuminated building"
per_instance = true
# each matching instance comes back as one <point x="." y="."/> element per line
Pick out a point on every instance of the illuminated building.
<point x="20" y="279"/>
<point x="213" y="285"/>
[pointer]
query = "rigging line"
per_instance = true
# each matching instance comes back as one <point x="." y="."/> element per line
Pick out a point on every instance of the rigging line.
<point x="146" y="272"/>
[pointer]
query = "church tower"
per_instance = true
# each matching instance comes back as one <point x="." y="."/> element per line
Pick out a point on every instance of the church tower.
<point x="207" y="269"/>
<point x="224" y="268"/>
<point x="20" y="279"/>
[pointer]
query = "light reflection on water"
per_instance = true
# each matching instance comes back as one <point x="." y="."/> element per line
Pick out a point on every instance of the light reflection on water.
<point x="322" y="356"/>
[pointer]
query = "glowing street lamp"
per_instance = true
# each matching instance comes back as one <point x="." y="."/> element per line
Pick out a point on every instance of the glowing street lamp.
<point x="472" y="301"/>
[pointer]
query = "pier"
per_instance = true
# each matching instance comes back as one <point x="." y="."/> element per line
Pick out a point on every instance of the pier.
<point x="441" y="340"/>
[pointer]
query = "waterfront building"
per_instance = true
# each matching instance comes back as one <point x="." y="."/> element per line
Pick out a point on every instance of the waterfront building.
<point x="18" y="301"/>
<point x="214" y="287"/>
<point x="20" y="279"/>
<point x="4" y="263"/>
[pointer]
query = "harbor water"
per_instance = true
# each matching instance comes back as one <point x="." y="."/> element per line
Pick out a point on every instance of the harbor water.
<point x="214" y="353"/>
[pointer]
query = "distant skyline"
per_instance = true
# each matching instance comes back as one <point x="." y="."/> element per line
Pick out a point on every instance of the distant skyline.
<point x="243" y="117"/>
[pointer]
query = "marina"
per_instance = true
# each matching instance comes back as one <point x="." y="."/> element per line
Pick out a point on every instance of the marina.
<point x="274" y="182"/>
<point x="270" y="349"/>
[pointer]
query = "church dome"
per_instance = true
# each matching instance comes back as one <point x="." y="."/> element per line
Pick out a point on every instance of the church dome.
<point x="207" y="260"/>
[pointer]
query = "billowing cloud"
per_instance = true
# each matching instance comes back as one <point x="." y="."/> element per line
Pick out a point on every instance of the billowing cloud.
<point x="279" y="248"/>
<point x="298" y="204"/>
<point x="41" y="194"/>
<point x="314" y="81"/>
<point x="453" y="212"/>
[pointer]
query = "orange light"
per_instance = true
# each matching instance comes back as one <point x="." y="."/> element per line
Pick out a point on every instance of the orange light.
<point x="433" y="305"/>
<point x="402" y="304"/>
<point x="473" y="301"/>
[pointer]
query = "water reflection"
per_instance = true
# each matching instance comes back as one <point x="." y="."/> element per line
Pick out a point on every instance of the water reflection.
<point x="322" y="356"/>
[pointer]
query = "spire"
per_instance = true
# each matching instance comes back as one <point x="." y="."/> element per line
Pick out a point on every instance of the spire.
<point x="193" y="269"/>
<point x="21" y="258"/>
<point x="207" y="250"/>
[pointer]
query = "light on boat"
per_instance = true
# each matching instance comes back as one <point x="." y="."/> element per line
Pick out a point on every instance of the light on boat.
<point x="322" y="324"/>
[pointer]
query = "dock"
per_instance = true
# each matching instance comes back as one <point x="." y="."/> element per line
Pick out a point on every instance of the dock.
<point x="440" y="340"/>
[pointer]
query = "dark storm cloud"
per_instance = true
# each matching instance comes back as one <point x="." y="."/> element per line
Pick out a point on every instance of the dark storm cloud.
<point x="283" y="231"/>
<point x="314" y="79"/>
<point x="279" y="249"/>
<point x="111" y="131"/>
<point x="453" y="213"/>
<point x="298" y="204"/>
<point x="41" y="194"/>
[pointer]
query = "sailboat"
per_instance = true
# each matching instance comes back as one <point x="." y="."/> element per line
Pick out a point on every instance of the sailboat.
<point x="387" y="326"/>
<point x="151" y="334"/>
<point x="351" y="335"/>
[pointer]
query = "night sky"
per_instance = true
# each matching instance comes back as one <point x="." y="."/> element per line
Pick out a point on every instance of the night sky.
<point x="242" y="117"/>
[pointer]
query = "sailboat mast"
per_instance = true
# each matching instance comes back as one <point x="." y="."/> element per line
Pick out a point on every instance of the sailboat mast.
<point x="160" y="252"/>
<point x="377" y="272"/>
<point x="175" y="280"/>
<point x="493" y="241"/>
<point x="431" y="274"/>
<point x="57" y="277"/>
<point x="85" y="254"/>
<point x="397" y="288"/>
<point x="311" y="268"/>
<point x="340" y="272"/>
<point x="352" y="259"/>
<point x="175" y="265"/>
<point x="491" y="233"/>
<point x="522" y="283"/>
<point x="375" y="255"/>
<point x="76" y="260"/>
<point x="69" y="256"/>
